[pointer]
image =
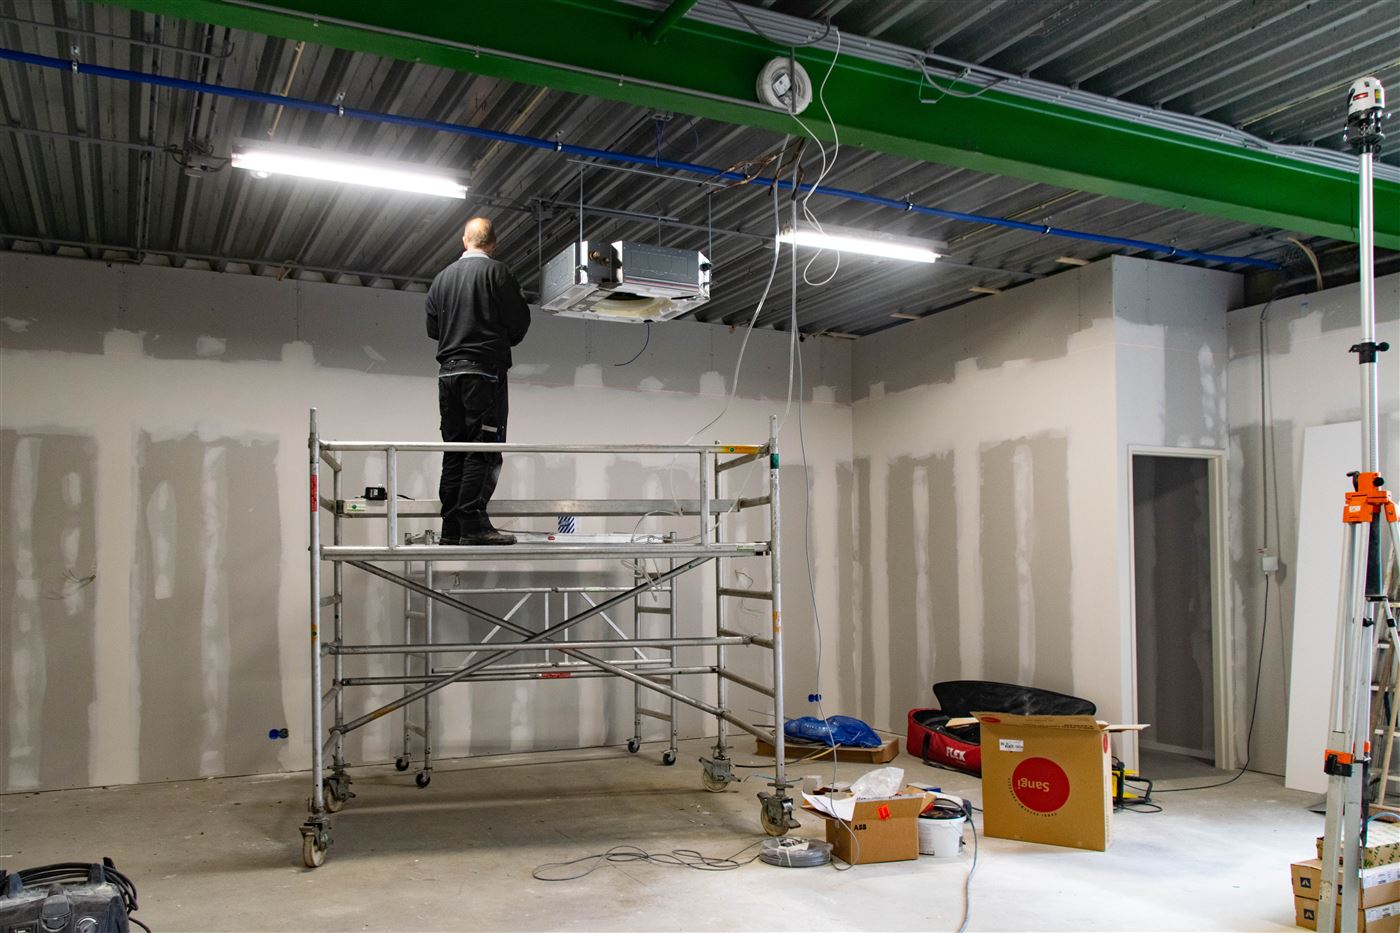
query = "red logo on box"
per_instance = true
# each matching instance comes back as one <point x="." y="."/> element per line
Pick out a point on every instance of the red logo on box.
<point x="1040" y="785"/>
<point x="883" y="812"/>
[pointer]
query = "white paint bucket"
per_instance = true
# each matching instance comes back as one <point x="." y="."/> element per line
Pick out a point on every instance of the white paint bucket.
<point x="941" y="837"/>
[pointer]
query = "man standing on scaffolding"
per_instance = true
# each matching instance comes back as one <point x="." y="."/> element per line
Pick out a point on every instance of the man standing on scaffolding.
<point x="476" y="314"/>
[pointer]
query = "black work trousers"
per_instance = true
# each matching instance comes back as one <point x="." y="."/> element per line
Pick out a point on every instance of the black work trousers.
<point x="472" y="401"/>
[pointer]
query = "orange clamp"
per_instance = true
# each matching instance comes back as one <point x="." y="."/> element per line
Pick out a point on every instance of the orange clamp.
<point x="1367" y="500"/>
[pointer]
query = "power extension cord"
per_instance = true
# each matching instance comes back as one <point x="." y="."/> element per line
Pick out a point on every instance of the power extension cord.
<point x="792" y="852"/>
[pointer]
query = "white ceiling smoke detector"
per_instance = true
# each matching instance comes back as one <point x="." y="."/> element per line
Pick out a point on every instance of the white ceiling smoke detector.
<point x="783" y="83"/>
<point x="625" y="281"/>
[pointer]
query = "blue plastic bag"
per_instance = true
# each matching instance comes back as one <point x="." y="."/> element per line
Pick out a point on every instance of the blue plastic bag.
<point x="835" y="730"/>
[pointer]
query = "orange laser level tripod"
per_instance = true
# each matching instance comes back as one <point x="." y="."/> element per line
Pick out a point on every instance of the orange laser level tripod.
<point x="1364" y="609"/>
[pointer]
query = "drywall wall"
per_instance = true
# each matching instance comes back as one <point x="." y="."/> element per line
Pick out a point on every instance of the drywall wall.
<point x="984" y="438"/>
<point x="153" y="462"/>
<point x="153" y="427"/>
<point x="1312" y="380"/>
<point x="1170" y="391"/>
<point x="991" y="447"/>
<point x="1329" y="454"/>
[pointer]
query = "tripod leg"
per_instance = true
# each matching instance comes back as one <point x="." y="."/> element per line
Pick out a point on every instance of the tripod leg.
<point x="1346" y="742"/>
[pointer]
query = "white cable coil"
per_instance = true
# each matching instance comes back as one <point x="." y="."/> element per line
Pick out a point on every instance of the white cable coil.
<point x="784" y="83"/>
<point x="793" y="852"/>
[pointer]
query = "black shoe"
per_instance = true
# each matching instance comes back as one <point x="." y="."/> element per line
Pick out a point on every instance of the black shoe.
<point x="449" y="542"/>
<point x="489" y="536"/>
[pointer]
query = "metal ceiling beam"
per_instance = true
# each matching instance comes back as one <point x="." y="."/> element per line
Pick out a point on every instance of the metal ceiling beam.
<point x="668" y="18"/>
<point x="707" y="70"/>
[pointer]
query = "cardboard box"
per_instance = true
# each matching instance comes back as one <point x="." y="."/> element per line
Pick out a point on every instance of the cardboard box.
<point x="884" y="829"/>
<point x="1382" y="844"/>
<point x="1048" y="779"/>
<point x="1379" y="885"/>
<point x="1382" y="919"/>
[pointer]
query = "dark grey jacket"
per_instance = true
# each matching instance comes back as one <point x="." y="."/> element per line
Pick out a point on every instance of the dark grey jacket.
<point x="476" y="312"/>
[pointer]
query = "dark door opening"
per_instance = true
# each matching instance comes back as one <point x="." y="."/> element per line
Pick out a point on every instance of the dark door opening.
<point x="1173" y="611"/>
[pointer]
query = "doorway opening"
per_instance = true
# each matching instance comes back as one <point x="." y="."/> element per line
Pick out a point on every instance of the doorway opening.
<point x="1180" y="647"/>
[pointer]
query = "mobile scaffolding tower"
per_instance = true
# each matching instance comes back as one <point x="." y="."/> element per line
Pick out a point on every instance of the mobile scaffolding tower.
<point x="418" y="624"/>
<point x="330" y="781"/>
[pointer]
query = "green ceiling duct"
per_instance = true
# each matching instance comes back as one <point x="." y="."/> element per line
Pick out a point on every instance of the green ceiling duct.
<point x="708" y="71"/>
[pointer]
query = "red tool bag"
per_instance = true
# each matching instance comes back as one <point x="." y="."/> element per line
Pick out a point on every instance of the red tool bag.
<point x="960" y="747"/>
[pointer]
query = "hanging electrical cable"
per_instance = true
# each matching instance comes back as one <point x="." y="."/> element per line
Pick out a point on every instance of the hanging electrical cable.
<point x="825" y="169"/>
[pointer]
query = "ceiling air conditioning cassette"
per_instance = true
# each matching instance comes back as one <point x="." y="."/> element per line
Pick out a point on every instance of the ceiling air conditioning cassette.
<point x="625" y="281"/>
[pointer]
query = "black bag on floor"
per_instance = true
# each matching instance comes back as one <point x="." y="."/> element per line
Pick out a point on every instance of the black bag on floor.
<point x="960" y="747"/>
<point x="69" y="897"/>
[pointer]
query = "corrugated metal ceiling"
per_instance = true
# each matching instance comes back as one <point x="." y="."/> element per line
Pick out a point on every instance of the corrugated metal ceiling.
<point x="86" y="166"/>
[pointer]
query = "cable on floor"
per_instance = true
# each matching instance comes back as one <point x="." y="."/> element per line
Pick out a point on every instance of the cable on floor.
<point x="967" y="883"/>
<point x="624" y="854"/>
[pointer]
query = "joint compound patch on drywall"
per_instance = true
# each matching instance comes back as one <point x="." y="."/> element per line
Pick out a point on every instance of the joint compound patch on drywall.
<point x="204" y="600"/>
<point x="589" y="374"/>
<point x="863" y="686"/>
<point x="206" y="347"/>
<point x="908" y="640"/>
<point x="48" y="621"/>
<point x="843" y="666"/>
<point x="1213" y="398"/>
<point x="921" y="557"/>
<point x="1026" y="573"/>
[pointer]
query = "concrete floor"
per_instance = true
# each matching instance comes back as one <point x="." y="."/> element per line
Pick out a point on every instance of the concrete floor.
<point x="225" y="855"/>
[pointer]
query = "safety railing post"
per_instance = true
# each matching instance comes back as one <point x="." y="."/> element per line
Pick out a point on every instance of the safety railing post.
<point x="318" y="803"/>
<point x="391" y="489"/>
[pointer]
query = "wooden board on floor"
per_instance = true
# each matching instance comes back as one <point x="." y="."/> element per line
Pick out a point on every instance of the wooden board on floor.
<point x="869" y="756"/>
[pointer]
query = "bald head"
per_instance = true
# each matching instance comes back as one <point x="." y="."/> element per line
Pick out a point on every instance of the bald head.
<point x="479" y="234"/>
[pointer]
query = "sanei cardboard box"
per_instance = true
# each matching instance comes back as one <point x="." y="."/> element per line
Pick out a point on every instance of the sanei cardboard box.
<point x="1048" y="779"/>
<point x="1379" y="885"/>
<point x="1382" y="919"/>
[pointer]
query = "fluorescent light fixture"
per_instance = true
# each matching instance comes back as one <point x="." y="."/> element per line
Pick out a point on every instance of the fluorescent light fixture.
<point x="984" y="290"/>
<point x="906" y="316"/>
<point x="263" y="161"/>
<point x="860" y="241"/>
<point x="1071" y="261"/>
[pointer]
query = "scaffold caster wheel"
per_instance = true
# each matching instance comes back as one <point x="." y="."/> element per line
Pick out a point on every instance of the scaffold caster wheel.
<point x="634" y="745"/>
<point x="314" y="843"/>
<point x="772" y="827"/>
<point x="401" y="763"/>
<point x="713" y="784"/>
<point x="668" y="758"/>
<point x="422" y="778"/>
<point x="775" y="814"/>
<point x="334" y="801"/>
<point x="312" y="855"/>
